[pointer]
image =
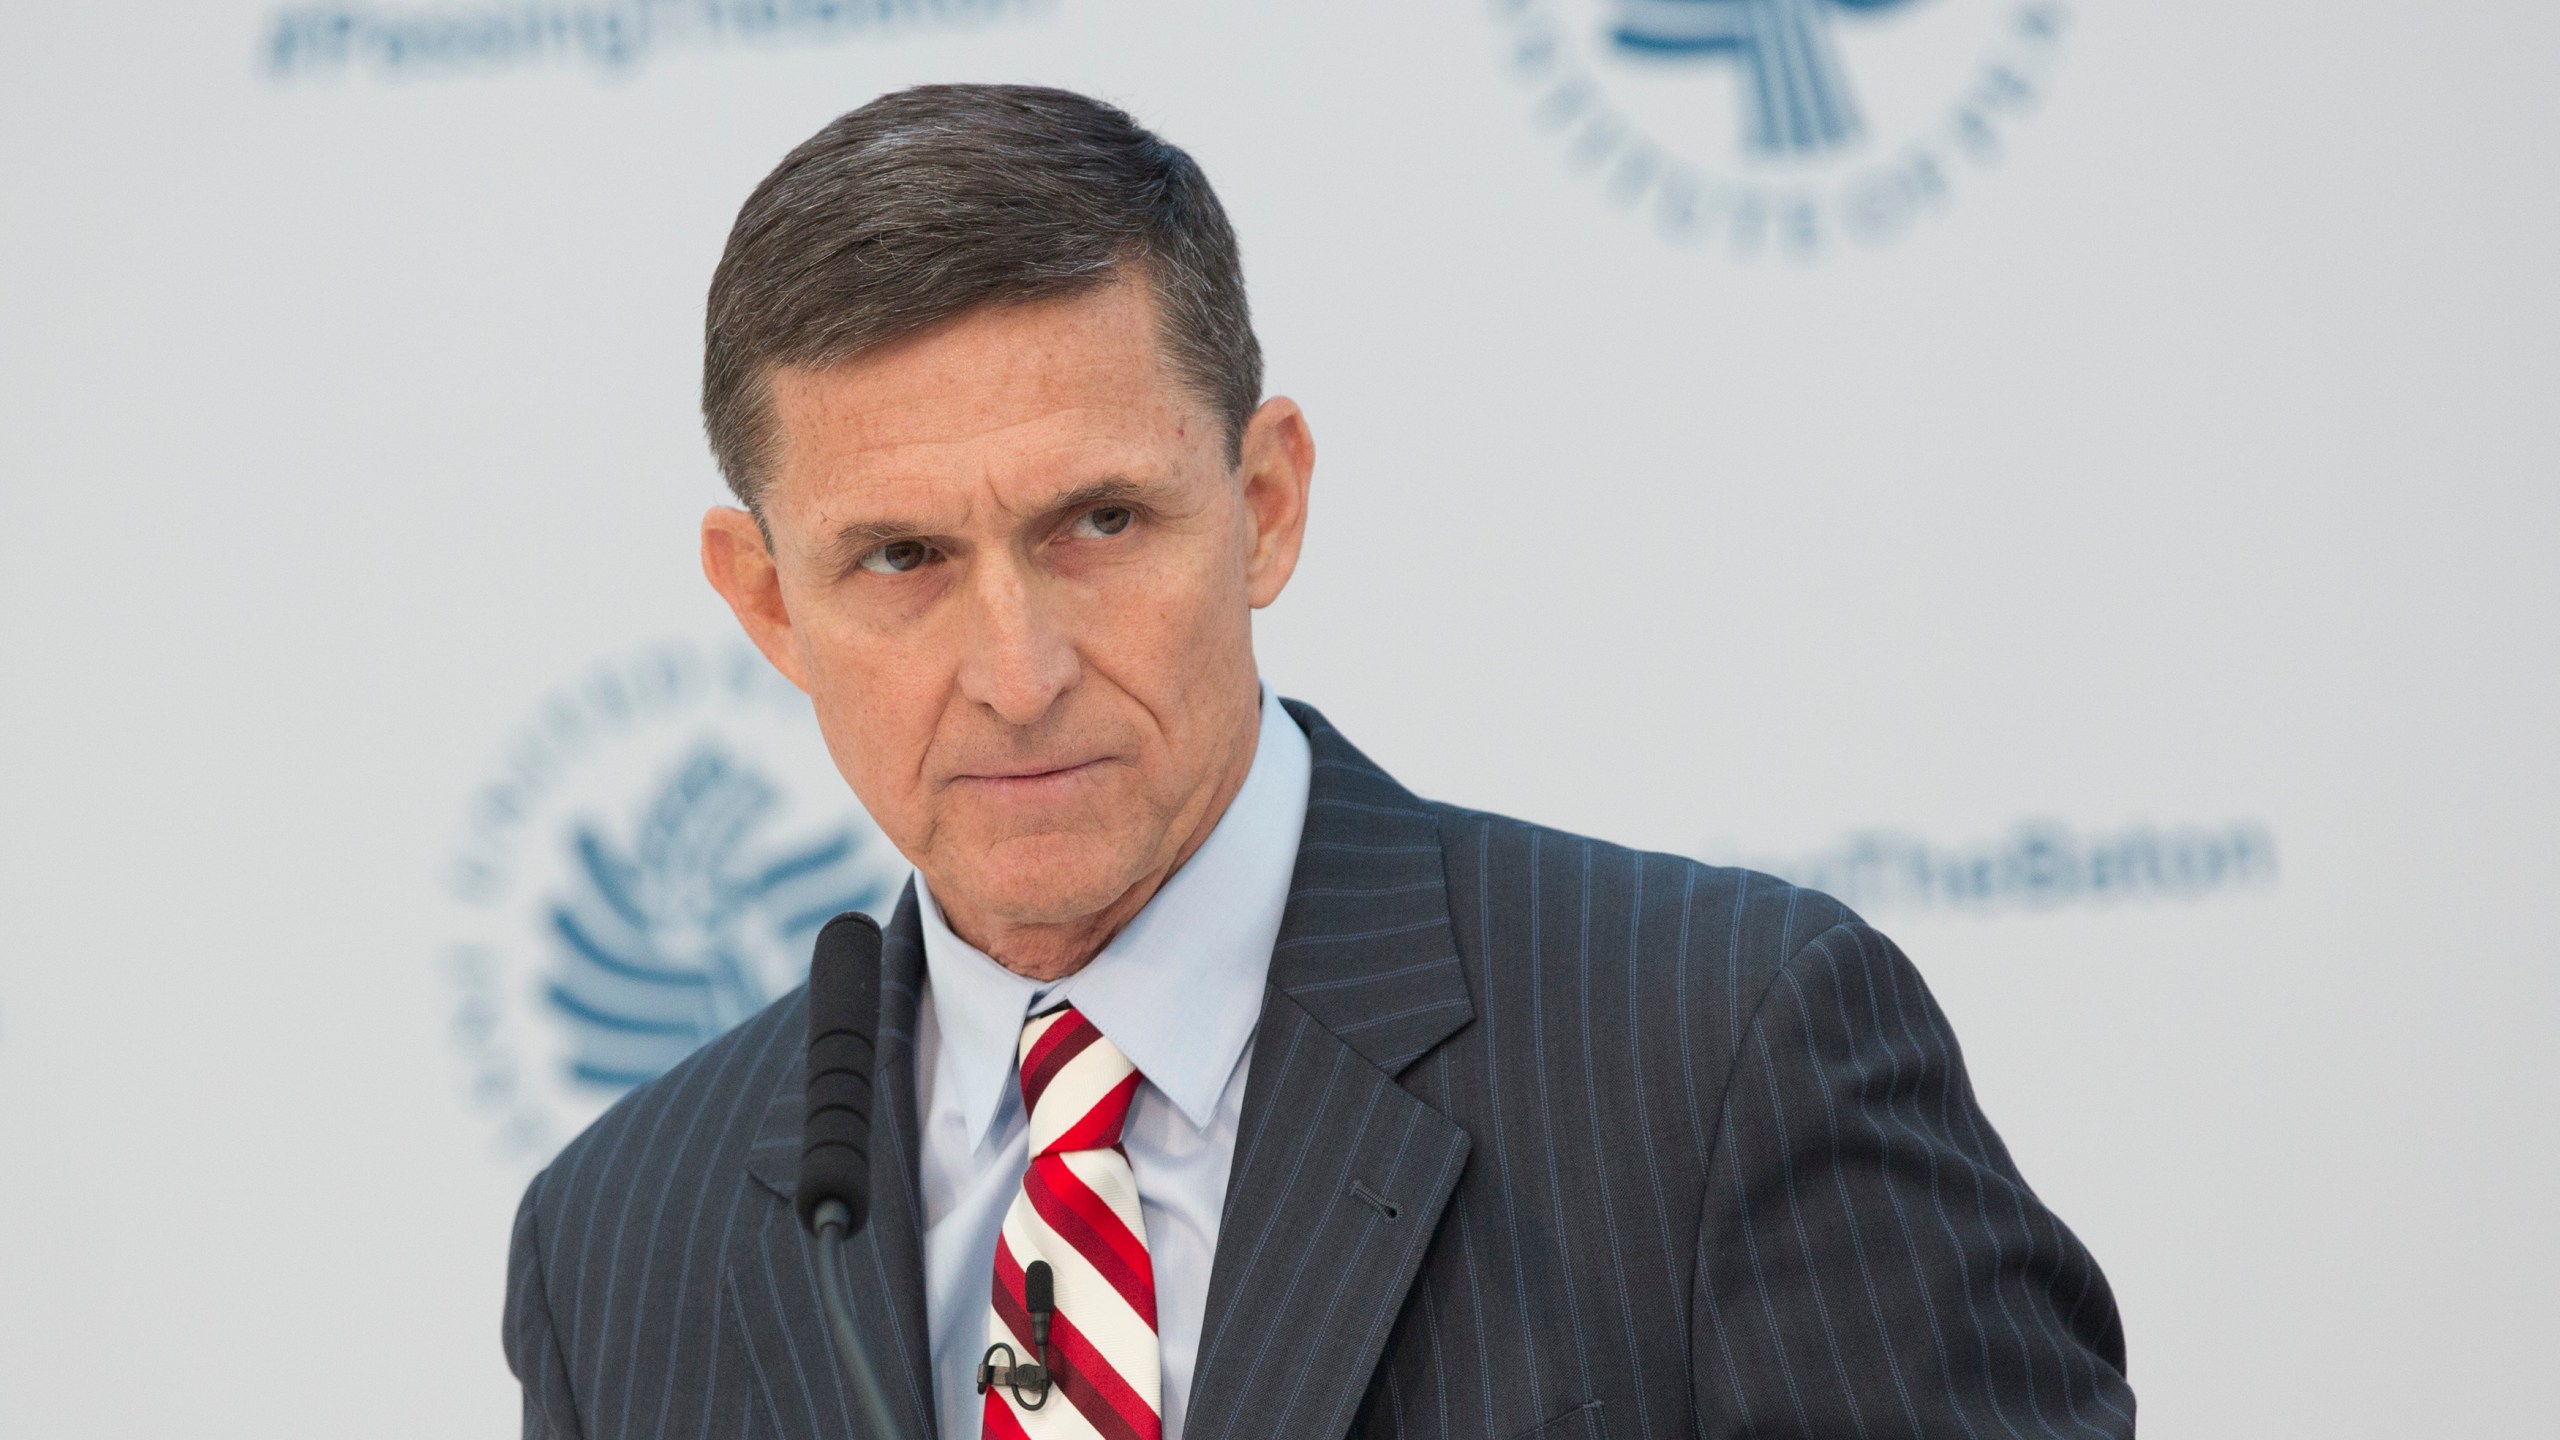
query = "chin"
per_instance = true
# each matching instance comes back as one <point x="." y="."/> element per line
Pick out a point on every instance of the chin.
<point x="1049" y="879"/>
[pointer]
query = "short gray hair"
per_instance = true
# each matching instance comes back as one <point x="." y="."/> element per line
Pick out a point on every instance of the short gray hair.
<point x="937" y="200"/>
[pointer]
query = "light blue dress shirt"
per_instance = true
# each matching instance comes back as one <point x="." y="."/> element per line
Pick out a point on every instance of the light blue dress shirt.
<point x="1179" y="991"/>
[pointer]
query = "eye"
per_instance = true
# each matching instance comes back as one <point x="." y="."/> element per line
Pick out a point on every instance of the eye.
<point x="897" y="557"/>
<point x="1104" y="523"/>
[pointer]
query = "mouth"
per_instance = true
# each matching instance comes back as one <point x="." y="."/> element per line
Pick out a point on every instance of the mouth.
<point x="1029" y="779"/>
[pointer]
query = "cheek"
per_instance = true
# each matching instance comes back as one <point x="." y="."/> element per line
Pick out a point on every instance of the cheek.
<point x="1164" y="629"/>
<point x="876" y="709"/>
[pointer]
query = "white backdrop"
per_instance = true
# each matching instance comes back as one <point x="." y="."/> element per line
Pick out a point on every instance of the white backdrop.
<point x="2099" y="513"/>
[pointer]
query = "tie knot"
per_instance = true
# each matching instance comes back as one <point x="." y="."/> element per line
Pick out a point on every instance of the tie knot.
<point x="1076" y="1085"/>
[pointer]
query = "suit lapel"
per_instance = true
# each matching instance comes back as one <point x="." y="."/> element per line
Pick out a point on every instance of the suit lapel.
<point x="1340" y="1175"/>
<point x="773" y="1276"/>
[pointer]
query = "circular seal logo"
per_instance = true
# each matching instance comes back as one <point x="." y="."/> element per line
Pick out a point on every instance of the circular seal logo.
<point x="1785" y="126"/>
<point x="646" y="866"/>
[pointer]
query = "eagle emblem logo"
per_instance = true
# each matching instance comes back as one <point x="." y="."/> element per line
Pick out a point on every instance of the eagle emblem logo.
<point x="695" y="920"/>
<point x="1787" y="127"/>
<point x="646" y="863"/>
<point x="1799" y="98"/>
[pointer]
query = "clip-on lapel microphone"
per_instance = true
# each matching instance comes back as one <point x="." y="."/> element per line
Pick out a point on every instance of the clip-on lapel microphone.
<point x="1029" y="1380"/>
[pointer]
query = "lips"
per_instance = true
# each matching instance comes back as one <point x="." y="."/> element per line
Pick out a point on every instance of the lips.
<point x="1028" y="775"/>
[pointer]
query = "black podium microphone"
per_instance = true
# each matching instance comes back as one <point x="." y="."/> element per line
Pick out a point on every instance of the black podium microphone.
<point x="844" y="1018"/>
<point x="833" y="1193"/>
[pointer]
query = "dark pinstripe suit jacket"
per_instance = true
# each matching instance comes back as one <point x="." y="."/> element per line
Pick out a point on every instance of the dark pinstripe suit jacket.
<point x="1542" y="1138"/>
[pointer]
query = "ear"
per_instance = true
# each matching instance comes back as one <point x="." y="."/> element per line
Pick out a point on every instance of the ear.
<point x="1279" y="463"/>
<point x="738" y="564"/>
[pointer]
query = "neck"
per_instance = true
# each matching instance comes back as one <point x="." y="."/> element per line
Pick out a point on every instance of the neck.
<point x="1047" y="952"/>
<point x="1054" y="950"/>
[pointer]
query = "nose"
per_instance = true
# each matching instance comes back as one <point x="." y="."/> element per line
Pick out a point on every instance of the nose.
<point x="1016" y="654"/>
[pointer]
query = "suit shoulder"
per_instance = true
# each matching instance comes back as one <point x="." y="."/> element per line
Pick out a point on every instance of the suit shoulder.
<point x="702" y="1112"/>
<point x="1667" y="913"/>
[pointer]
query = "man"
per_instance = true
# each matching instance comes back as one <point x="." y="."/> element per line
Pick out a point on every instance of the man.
<point x="1329" y="1110"/>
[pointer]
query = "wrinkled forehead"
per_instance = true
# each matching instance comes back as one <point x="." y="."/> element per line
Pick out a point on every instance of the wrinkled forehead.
<point x="996" y="407"/>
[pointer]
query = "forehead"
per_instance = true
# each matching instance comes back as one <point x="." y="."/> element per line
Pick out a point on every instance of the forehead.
<point x="1003" y="399"/>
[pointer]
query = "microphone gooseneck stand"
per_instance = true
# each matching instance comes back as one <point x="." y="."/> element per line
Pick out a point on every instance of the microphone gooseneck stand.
<point x="870" y="1401"/>
<point x="833" y="1193"/>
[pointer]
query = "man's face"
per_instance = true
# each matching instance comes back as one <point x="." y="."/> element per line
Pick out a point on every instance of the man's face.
<point x="1014" y="570"/>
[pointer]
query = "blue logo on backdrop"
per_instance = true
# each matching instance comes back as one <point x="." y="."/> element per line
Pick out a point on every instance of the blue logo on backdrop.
<point x="1800" y="101"/>
<point x="647" y="866"/>
<point x="1751" y="126"/>
<point x="662" y="941"/>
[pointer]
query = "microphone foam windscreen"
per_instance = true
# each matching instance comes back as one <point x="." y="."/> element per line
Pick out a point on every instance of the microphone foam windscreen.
<point x="844" y="1017"/>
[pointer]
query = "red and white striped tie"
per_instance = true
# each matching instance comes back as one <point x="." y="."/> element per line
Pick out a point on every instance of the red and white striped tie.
<point x="1078" y="1211"/>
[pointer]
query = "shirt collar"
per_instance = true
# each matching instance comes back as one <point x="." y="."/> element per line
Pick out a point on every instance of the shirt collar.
<point x="1179" y="989"/>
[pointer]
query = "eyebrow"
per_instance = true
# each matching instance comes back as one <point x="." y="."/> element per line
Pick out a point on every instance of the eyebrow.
<point x="851" y="542"/>
<point x="865" y="536"/>
<point x="1114" y="491"/>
